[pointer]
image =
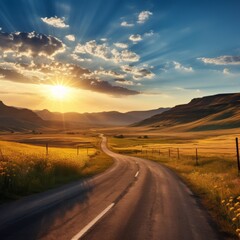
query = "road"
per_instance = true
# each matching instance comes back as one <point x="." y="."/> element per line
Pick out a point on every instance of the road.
<point x="135" y="199"/>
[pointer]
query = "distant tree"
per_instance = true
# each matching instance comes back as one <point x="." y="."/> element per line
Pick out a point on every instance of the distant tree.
<point x="145" y="136"/>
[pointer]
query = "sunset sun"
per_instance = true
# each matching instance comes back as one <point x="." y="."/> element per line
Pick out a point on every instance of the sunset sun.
<point x="59" y="92"/>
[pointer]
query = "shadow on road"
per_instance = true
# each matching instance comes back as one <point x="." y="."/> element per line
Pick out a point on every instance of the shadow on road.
<point x="49" y="217"/>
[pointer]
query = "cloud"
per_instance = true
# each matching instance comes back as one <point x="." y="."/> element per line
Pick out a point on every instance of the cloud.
<point x="109" y="73"/>
<point x="127" y="82"/>
<point x="70" y="37"/>
<point x="121" y="45"/>
<point x="80" y="59"/>
<point x="30" y="44"/>
<point x="105" y="52"/>
<point x="135" y="38"/>
<point x="180" y="67"/>
<point x="55" y="22"/>
<point x="149" y="34"/>
<point x="124" y="56"/>
<point x="226" y="71"/>
<point x="126" y="24"/>
<point x="138" y="73"/>
<point x="105" y="87"/>
<point x="144" y="16"/>
<point x="222" y="60"/>
<point x="12" y="75"/>
<point x="75" y="75"/>
<point x="103" y="39"/>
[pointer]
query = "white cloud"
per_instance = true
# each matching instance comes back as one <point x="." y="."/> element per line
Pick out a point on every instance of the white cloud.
<point x="126" y="24"/>
<point x="138" y="73"/>
<point x="149" y="34"/>
<point x="226" y="71"/>
<point x="135" y="38"/>
<point x="144" y="16"/>
<point x="70" y="37"/>
<point x="179" y="66"/>
<point x="222" y="60"/>
<point x="109" y="73"/>
<point x="121" y="45"/>
<point x="124" y="56"/>
<point x="55" y="22"/>
<point x="103" y="39"/>
<point x="105" y="52"/>
<point x="80" y="59"/>
<point x="125" y="82"/>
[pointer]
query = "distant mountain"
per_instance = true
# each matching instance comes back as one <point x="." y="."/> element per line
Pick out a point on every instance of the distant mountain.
<point x="112" y="118"/>
<point x="14" y="119"/>
<point x="220" y="111"/>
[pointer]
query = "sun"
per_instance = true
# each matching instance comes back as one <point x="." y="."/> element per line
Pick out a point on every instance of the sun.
<point x="59" y="92"/>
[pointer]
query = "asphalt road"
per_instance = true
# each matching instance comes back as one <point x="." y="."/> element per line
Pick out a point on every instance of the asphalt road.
<point x="136" y="199"/>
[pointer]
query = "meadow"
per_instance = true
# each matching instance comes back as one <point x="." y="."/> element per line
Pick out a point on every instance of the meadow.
<point x="206" y="164"/>
<point x="30" y="168"/>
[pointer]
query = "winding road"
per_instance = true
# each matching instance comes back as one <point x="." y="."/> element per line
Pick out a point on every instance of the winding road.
<point x="135" y="199"/>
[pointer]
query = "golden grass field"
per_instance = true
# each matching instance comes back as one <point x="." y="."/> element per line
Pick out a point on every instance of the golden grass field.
<point x="214" y="178"/>
<point x="26" y="169"/>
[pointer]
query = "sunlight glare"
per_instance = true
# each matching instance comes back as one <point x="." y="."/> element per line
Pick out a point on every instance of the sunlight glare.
<point x="59" y="92"/>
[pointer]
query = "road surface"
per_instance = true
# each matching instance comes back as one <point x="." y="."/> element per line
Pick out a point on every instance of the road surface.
<point x="135" y="199"/>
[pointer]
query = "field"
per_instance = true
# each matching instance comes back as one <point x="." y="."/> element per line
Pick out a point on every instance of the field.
<point x="207" y="164"/>
<point x="35" y="167"/>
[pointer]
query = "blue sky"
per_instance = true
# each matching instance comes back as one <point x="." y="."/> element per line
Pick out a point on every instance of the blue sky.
<point x="117" y="55"/>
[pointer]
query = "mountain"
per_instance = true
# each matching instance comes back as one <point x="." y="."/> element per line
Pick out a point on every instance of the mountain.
<point x="14" y="119"/>
<point x="220" y="111"/>
<point x="112" y="118"/>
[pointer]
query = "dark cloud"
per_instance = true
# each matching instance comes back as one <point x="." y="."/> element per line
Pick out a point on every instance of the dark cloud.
<point x="31" y="44"/>
<point x="12" y="75"/>
<point x="222" y="60"/>
<point x="105" y="87"/>
<point x="138" y="73"/>
<point x="34" y="45"/>
<point x="73" y="73"/>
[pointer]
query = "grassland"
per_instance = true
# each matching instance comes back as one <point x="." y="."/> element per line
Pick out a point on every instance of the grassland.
<point x="213" y="177"/>
<point x="27" y="169"/>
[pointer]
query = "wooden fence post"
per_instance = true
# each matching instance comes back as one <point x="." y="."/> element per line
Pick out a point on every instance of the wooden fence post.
<point x="196" y="157"/>
<point x="77" y="150"/>
<point x="237" y="149"/>
<point x="46" y="148"/>
<point x="1" y="154"/>
<point x="178" y="155"/>
<point x="169" y="153"/>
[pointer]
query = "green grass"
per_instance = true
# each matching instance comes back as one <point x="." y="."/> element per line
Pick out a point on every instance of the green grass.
<point x="26" y="169"/>
<point x="214" y="179"/>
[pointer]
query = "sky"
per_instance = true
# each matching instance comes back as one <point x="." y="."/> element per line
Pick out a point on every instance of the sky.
<point x="117" y="55"/>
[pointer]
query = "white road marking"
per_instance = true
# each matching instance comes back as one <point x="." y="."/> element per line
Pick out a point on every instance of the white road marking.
<point x="92" y="223"/>
<point x="136" y="174"/>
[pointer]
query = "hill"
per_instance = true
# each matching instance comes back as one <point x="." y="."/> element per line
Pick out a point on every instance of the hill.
<point x="15" y="119"/>
<point x="220" y="111"/>
<point x="111" y="118"/>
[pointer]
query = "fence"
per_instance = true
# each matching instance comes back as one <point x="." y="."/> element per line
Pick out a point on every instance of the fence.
<point x="196" y="153"/>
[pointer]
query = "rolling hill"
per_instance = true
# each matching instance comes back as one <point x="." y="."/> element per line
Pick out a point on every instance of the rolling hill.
<point x="112" y="118"/>
<point x="15" y="119"/>
<point x="220" y="111"/>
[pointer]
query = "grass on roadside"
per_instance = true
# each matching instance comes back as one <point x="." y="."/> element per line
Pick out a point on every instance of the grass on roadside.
<point x="26" y="169"/>
<point x="214" y="179"/>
